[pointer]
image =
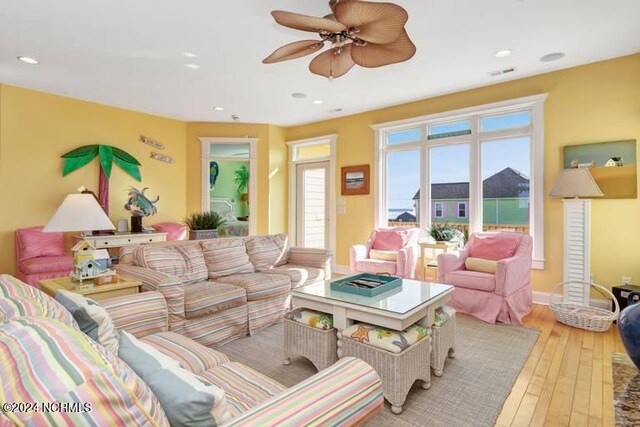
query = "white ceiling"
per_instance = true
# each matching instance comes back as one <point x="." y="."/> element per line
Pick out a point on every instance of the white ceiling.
<point x="129" y="53"/>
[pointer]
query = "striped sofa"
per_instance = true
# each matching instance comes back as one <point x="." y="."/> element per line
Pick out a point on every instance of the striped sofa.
<point x="50" y="361"/>
<point x="222" y="289"/>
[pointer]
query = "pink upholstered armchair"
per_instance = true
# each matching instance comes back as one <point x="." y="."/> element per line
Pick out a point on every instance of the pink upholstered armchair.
<point x="391" y="251"/>
<point x="491" y="275"/>
<point x="41" y="256"/>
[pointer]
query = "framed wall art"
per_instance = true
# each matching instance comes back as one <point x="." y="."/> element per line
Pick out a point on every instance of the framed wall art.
<point x="355" y="180"/>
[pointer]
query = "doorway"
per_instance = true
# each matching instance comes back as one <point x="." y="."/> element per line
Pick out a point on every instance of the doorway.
<point x="313" y="213"/>
<point x="229" y="183"/>
<point x="312" y="194"/>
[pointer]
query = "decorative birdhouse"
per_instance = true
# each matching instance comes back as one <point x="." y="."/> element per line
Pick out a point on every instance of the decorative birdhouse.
<point x="82" y="251"/>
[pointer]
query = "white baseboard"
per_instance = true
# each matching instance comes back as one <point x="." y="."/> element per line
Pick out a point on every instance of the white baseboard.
<point x="542" y="298"/>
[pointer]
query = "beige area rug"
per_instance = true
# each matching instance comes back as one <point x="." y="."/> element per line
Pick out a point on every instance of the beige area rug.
<point x="470" y="393"/>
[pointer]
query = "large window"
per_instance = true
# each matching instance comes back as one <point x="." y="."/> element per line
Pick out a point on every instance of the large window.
<point x="402" y="181"/>
<point x="477" y="169"/>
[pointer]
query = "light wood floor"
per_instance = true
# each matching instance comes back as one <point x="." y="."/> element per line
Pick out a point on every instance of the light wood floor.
<point x="567" y="378"/>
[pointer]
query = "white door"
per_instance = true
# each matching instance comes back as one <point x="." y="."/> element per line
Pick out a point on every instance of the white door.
<point x="312" y="200"/>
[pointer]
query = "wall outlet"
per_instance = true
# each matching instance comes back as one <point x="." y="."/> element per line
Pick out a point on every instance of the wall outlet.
<point x="626" y="280"/>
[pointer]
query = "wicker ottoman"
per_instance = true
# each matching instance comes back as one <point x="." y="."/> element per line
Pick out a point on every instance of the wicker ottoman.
<point x="310" y="334"/>
<point x="397" y="370"/>
<point x="443" y="339"/>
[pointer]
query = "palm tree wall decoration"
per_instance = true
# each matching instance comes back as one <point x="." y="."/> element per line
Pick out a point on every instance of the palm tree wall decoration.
<point x="107" y="155"/>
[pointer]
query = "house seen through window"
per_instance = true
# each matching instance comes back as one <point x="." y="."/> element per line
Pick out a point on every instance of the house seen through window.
<point x="477" y="170"/>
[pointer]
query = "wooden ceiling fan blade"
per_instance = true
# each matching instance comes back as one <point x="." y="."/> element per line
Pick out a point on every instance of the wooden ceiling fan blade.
<point x="306" y="23"/>
<point x="328" y="64"/>
<point x="377" y="55"/>
<point x="379" y="23"/>
<point x="294" y="50"/>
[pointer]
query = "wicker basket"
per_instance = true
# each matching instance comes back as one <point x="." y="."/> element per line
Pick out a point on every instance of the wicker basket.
<point x="584" y="317"/>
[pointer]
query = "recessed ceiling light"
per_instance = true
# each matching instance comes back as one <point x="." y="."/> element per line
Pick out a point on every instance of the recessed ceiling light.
<point x="218" y="108"/>
<point x="28" y="60"/>
<point x="190" y="55"/>
<point x="192" y="66"/>
<point x="299" y="95"/>
<point x="503" y="53"/>
<point x="318" y="102"/>
<point x="552" y="57"/>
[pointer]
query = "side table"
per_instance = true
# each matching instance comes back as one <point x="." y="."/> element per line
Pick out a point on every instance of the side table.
<point x="123" y="286"/>
<point x="443" y="246"/>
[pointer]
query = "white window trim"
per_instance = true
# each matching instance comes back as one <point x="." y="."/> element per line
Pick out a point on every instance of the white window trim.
<point x="465" y="209"/>
<point x="293" y="176"/>
<point x="435" y="209"/>
<point x="534" y="103"/>
<point x="253" y="174"/>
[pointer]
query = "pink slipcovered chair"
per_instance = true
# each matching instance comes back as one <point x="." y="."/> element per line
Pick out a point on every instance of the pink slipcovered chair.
<point x="41" y="255"/>
<point x="174" y="230"/>
<point x="391" y="251"/>
<point x="503" y="296"/>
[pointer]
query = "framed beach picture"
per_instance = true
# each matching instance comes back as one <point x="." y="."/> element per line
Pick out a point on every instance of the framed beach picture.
<point x="355" y="180"/>
<point x="612" y="164"/>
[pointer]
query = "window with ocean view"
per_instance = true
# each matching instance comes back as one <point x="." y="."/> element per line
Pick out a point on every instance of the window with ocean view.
<point x="472" y="168"/>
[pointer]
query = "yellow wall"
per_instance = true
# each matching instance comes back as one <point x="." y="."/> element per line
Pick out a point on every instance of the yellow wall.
<point x="591" y="103"/>
<point x="596" y="102"/>
<point x="278" y="181"/>
<point x="37" y="128"/>
<point x="270" y="155"/>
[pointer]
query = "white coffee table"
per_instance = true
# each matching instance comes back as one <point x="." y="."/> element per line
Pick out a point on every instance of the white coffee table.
<point x="397" y="309"/>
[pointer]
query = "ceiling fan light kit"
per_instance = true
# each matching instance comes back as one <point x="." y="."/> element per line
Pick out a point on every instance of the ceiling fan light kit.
<point x="365" y="33"/>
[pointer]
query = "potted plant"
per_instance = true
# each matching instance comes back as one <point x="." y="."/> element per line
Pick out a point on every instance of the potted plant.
<point x="204" y="225"/>
<point x="241" y="180"/>
<point x="442" y="231"/>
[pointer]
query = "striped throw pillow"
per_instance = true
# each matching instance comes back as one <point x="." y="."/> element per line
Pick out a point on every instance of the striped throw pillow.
<point x="186" y="262"/>
<point x="19" y="299"/>
<point x="186" y="399"/>
<point x="225" y="257"/>
<point x="266" y="252"/>
<point x="61" y="366"/>
<point x="93" y="319"/>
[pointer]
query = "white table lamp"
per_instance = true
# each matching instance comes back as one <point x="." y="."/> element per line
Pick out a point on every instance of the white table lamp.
<point x="79" y="212"/>
<point x="573" y="184"/>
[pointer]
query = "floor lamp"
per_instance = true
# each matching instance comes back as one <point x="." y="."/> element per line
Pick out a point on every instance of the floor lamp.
<point x="571" y="185"/>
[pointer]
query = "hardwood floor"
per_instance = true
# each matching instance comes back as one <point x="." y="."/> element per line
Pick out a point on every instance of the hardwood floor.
<point x="566" y="381"/>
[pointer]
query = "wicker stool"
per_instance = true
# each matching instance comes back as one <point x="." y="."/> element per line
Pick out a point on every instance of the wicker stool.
<point x="301" y="339"/>
<point x="397" y="371"/>
<point x="443" y="339"/>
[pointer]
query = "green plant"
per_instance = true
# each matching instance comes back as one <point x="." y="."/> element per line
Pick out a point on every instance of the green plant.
<point x="204" y="221"/>
<point x="241" y="179"/>
<point x="442" y="231"/>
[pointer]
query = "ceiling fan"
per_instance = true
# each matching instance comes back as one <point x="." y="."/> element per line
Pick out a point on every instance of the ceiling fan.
<point x="360" y="32"/>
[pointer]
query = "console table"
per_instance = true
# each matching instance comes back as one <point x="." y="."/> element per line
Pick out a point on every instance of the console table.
<point x="122" y="239"/>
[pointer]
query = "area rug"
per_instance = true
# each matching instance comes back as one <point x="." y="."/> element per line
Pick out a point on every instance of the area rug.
<point x="470" y="393"/>
<point x="626" y="390"/>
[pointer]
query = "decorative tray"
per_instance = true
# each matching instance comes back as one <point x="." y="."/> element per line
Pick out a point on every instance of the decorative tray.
<point x="365" y="284"/>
